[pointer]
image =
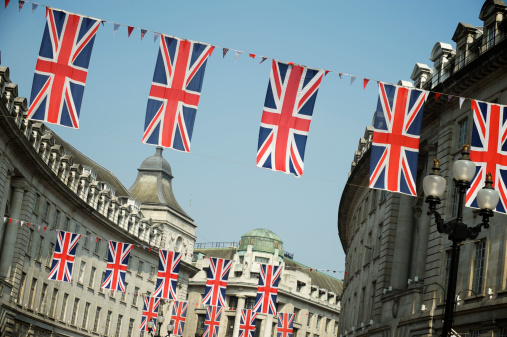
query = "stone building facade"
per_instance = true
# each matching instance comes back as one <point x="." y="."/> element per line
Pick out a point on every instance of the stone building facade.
<point x="396" y="260"/>
<point x="313" y="296"/>
<point x="46" y="182"/>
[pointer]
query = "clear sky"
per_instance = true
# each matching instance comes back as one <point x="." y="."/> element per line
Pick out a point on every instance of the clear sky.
<point x="218" y="183"/>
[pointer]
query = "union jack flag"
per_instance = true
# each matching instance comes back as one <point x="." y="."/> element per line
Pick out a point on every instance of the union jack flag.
<point x="179" y="316"/>
<point x="212" y="321"/>
<point x="218" y="274"/>
<point x="489" y="151"/>
<point x="63" y="257"/>
<point x="62" y="67"/>
<point x="395" y="145"/>
<point x="150" y="312"/>
<point x="175" y="93"/>
<point x="267" y="291"/>
<point x="167" y="277"/>
<point x="116" y="267"/>
<point x="285" y="323"/>
<point x="247" y="323"/>
<point x="286" y="118"/>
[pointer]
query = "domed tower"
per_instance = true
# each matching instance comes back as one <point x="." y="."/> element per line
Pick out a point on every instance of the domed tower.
<point x="261" y="245"/>
<point x="153" y="189"/>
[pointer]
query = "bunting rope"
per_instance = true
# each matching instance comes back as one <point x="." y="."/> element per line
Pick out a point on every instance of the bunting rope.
<point x="238" y="52"/>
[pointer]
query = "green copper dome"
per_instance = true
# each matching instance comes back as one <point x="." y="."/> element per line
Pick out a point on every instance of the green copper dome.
<point x="262" y="240"/>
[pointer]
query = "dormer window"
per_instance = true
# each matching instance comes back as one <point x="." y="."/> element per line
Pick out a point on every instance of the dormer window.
<point x="490" y="36"/>
<point x="261" y="259"/>
<point x="300" y="286"/>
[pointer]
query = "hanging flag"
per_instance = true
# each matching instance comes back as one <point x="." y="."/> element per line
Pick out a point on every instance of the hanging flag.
<point x="247" y="323"/>
<point x="218" y="274"/>
<point x="116" y="26"/>
<point x="437" y="95"/>
<point x="352" y="79"/>
<point x="129" y="30"/>
<point x="489" y="151"/>
<point x="461" y="100"/>
<point x="34" y="7"/>
<point x="426" y="92"/>
<point x="143" y="33"/>
<point x="63" y="256"/>
<point x="155" y="37"/>
<point x="340" y="74"/>
<point x="395" y="145"/>
<point x="150" y="312"/>
<point x="263" y="59"/>
<point x="7" y="3"/>
<point x="212" y="321"/>
<point x="62" y="67"/>
<point x="326" y="72"/>
<point x="285" y="325"/>
<point x="224" y="51"/>
<point x="449" y="98"/>
<point x="252" y="55"/>
<point x="267" y="291"/>
<point x="365" y="82"/>
<point x="116" y="267"/>
<point x="178" y="317"/>
<point x="286" y="118"/>
<point x="20" y="4"/>
<point x="167" y="277"/>
<point x="175" y="93"/>
<point x="238" y="53"/>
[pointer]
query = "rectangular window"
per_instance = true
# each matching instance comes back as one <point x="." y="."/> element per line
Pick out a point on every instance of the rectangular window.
<point x="21" y="292"/>
<point x="46" y="212"/>
<point x="475" y="333"/>
<point x="124" y="294"/>
<point x="78" y="228"/>
<point x="66" y="224"/>
<point x="86" y="239"/>
<point x="319" y="318"/>
<point x="81" y="272"/>
<point x="108" y="322"/>
<point x="38" y="253"/>
<point x="490" y="37"/>
<point x="233" y="301"/>
<point x="310" y="315"/>
<point x="97" y="247"/>
<point x="463" y="133"/>
<point x="64" y="306"/>
<point x="136" y="295"/>
<point x="230" y="326"/>
<point x="92" y="277"/>
<point x="49" y="256"/>
<point x="478" y="272"/>
<point x="31" y="298"/>
<point x="153" y="271"/>
<point x="57" y="219"/>
<point x="102" y="281"/>
<point x="97" y="319"/>
<point x="118" y="326"/>
<point x="74" y="311"/>
<point x="36" y="203"/>
<point x="85" y="315"/>
<point x="131" y="327"/>
<point x="54" y="299"/>
<point x="249" y="302"/>
<point x="254" y="275"/>
<point x="30" y="242"/>
<point x="296" y="314"/>
<point x="261" y="259"/>
<point x="382" y="195"/>
<point x="140" y="267"/>
<point x="43" y="297"/>
<point x="200" y="324"/>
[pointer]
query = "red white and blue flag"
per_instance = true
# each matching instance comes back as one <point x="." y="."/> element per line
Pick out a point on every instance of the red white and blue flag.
<point x="63" y="257"/>
<point x="167" y="277"/>
<point x="212" y="321"/>
<point x="179" y="316"/>
<point x="150" y="312"/>
<point x="269" y="277"/>
<point x="395" y="145"/>
<point x="247" y="323"/>
<point x="175" y="93"/>
<point x="489" y="151"/>
<point x="286" y="118"/>
<point x="285" y="325"/>
<point x="62" y="67"/>
<point x="218" y="274"/>
<point x="116" y="267"/>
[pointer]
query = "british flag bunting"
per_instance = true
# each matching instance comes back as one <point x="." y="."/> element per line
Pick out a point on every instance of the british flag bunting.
<point x="62" y="67"/>
<point x="167" y="276"/>
<point x="247" y="323"/>
<point x="286" y="117"/>
<point x="285" y="325"/>
<point x="212" y="321"/>
<point x="175" y="93"/>
<point x="395" y="145"/>
<point x="179" y="316"/>
<point x="63" y="257"/>
<point x="269" y="277"/>
<point x="489" y="151"/>
<point x="218" y="274"/>
<point x="150" y="312"/>
<point x="116" y="267"/>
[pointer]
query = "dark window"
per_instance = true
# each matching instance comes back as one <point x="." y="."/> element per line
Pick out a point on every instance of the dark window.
<point x="233" y="302"/>
<point x="249" y="302"/>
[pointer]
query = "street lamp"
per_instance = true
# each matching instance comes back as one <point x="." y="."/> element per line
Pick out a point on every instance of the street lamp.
<point x="487" y="199"/>
<point x="160" y="321"/>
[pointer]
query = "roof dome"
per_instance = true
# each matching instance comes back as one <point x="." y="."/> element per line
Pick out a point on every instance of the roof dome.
<point x="156" y="163"/>
<point x="262" y="240"/>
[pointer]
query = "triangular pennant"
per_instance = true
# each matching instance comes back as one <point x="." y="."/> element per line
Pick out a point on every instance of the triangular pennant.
<point x="21" y="3"/>
<point x="437" y="95"/>
<point x="143" y="33"/>
<point x="461" y="100"/>
<point x="34" y="7"/>
<point x="27" y="224"/>
<point x="426" y="94"/>
<point x="97" y="239"/>
<point x="116" y="26"/>
<point x="365" y="82"/>
<point x="340" y="74"/>
<point x="39" y="227"/>
<point x="155" y="36"/>
<point x="352" y="79"/>
<point x="252" y="55"/>
<point x="263" y="59"/>
<point x="149" y="249"/>
<point x="22" y="222"/>
<point x="45" y="228"/>
<point x="5" y="219"/>
<point x="130" y="29"/>
<point x="238" y="53"/>
<point x="326" y="72"/>
<point x="224" y="51"/>
<point x="449" y="98"/>
<point x="7" y="3"/>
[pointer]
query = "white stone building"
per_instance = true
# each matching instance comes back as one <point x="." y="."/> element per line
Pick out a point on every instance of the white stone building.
<point x="48" y="183"/>
<point x="396" y="260"/>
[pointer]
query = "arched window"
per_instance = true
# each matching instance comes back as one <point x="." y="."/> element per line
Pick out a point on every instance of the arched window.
<point x="178" y="245"/>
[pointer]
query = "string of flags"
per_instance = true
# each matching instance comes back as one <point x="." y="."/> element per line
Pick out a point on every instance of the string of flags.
<point x="176" y="88"/>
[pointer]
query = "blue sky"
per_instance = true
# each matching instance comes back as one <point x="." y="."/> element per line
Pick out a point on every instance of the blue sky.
<point x="218" y="183"/>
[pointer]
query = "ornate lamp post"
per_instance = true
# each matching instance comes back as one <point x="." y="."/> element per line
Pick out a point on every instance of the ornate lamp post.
<point x="487" y="199"/>
<point x="160" y="321"/>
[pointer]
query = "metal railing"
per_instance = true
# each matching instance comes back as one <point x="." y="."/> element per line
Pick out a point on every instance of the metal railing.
<point x="216" y="245"/>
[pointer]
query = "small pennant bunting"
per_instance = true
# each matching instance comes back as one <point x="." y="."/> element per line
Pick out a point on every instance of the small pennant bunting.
<point x="326" y="72"/>
<point x="340" y="74"/>
<point x="21" y="3"/>
<point x="225" y="50"/>
<point x="263" y="59"/>
<point x="102" y="22"/>
<point x="252" y="55"/>
<point x="365" y="82"/>
<point x="449" y="98"/>
<point x="426" y="95"/>
<point x="238" y="53"/>
<point x="437" y="95"/>
<point x="116" y="26"/>
<point x="352" y="79"/>
<point x="461" y="100"/>
<point x="143" y="33"/>
<point x="34" y="7"/>
<point x="45" y="228"/>
<point x="7" y="3"/>
<point x="130" y="29"/>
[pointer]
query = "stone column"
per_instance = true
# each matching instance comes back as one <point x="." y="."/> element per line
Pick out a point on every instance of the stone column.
<point x="11" y="231"/>
<point x="268" y="324"/>
<point x="401" y="256"/>
<point x="237" y="319"/>
<point x="3" y="203"/>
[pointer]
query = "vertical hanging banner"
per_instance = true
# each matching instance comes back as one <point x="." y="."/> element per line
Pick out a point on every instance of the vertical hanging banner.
<point x="167" y="276"/>
<point x="247" y="323"/>
<point x="63" y="257"/>
<point x="62" y="67"/>
<point x="175" y="93"/>
<point x="395" y="145"/>
<point x="489" y="151"/>
<point x="150" y="312"/>
<point x="212" y="321"/>
<point x="178" y="317"/>
<point x="286" y="117"/>
<point x="269" y="277"/>
<point x="285" y="325"/>
<point x="116" y="267"/>
<point x="216" y="284"/>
